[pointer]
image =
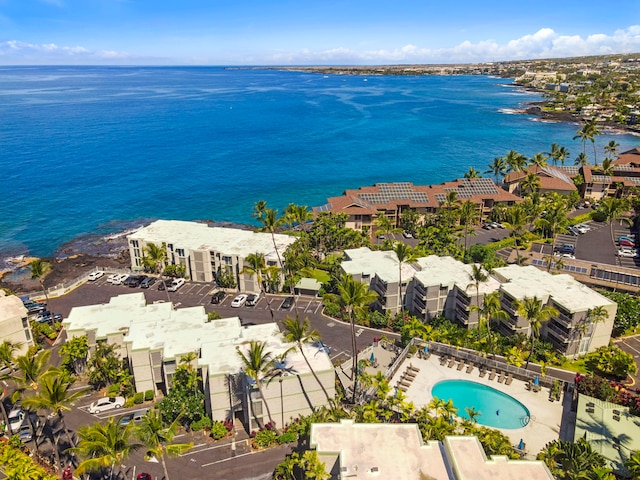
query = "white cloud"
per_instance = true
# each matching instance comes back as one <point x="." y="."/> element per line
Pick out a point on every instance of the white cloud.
<point x="545" y="43"/>
<point x="15" y="51"/>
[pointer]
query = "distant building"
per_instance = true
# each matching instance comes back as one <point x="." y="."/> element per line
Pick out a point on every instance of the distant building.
<point x="208" y="251"/>
<point x="557" y="179"/>
<point x="397" y="451"/>
<point x="153" y="338"/>
<point x="14" y="323"/>
<point x="363" y="205"/>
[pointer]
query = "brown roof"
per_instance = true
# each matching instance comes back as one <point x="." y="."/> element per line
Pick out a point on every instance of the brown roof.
<point x="630" y="157"/>
<point x="551" y="178"/>
<point x="389" y="196"/>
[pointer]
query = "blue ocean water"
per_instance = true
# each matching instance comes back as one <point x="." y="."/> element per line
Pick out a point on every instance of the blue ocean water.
<point x="92" y="149"/>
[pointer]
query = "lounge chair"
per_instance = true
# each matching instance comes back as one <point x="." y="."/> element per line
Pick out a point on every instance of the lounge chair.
<point x="492" y="374"/>
<point x="444" y="359"/>
<point x="501" y="377"/>
<point x="402" y="388"/>
<point x="470" y="368"/>
<point x="409" y="374"/>
<point x="451" y="362"/>
<point x="405" y="383"/>
<point x="461" y="365"/>
<point x="508" y="380"/>
<point x="414" y="369"/>
<point x="483" y="372"/>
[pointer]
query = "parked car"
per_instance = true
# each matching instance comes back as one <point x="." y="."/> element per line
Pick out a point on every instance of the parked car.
<point x="218" y="297"/>
<point x="93" y="276"/>
<point x="16" y="419"/>
<point x="147" y="282"/>
<point x="253" y="299"/>
<point x="568" y="255"/>
<point x="48" y="317"/>
<point x="34" y="307"/>
<point x="496" y="225"/>
<point x="626" y="237"/>
<point x="627" y="252"/>
<point x="119" y="279"/>
<point x="288" y="302"/>
<point x="163" y="285"/>
<point x="176" y="284"/>
<point x="25" y="433"/>
<point x="106" y="403"/>
<point x="133" y="280"/>
<point x="144" y="476"/>
<point x="487" y="226"/>
<point x="583" y="227"/>
<point x="135" y="417"/>
<point x="566" y="248"/>
<point x="406" y="234"/>
<point x="626" y="243"/>
<point x="239" y="301"/>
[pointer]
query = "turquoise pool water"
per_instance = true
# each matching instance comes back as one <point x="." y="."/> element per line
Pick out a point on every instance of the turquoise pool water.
<point x="497" y="409"/>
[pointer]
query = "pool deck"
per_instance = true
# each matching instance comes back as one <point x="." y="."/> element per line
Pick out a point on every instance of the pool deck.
<point x="546" y="416"/>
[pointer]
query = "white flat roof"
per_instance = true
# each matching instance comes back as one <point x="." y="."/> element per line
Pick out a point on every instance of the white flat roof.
<point x="383" y="263"/>
<point x="529" y="281"/>
<point x="449" y="271"/>
<point x="11" y="307"/>
<point x="179" y="331"/>
<point x="199" y="236"/>
<point x="379" y="450"/>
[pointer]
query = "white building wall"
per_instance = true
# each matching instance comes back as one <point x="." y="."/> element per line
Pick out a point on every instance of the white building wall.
<point x="14" y="325"/>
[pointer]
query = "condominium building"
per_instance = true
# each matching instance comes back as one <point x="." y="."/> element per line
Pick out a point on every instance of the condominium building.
<point x="207" y="252"/>
<point x="387" y="450"/>
<point x="14" y="324"/>
<point x="154" y="337"/>
<point x="445" y="286"/>
<point x="575" y="330"/>
<point x="364" y="204"/>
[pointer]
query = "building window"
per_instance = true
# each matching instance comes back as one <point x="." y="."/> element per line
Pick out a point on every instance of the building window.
<point x="135" y="243"/>
<point x="227" y="260"/>
<point x="180" y="252"/>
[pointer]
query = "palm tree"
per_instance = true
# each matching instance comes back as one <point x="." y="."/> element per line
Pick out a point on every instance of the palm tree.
<point x="632" y="464"/>
<point x="300" y="333"/>
<point x="104" y="445"/>
<point x="491" y="310"/>
<point x="53" y="395"/>
<point x="354" y="296"/>
<point x="450" y="206"/>
<point x="530" y="184"/>
<point x="468" y="216"/>
<point x="477" y="276"/>
<point x="257" y="364"/>
<point x="571" y="460"/>
<point x="588" y="132"/>
<point x="581" y="160"/>
<point x="472" y="173"/>
<point x="30" y="369"/>
<point x="258" y="209"/>
<point x="539" y="160"/>
<point x="554" y="221"/>
<point x="255" y="264"/>
<point x="158" y="438"/>
<point x="612" y="148"/>
<point x="271" y="223"/>
<point x="404" y="254"/>
<point x="614" y="209"/>
<point x="535" y="313"/>
<point x="8" y="350"/>
<point x="515" y="161"/>
<point x="516" y="221"/>
<point x="384" y="225"/>
<point x="558" y="153"/>
<point x="156" y="258"/>
<point x="498" y="167"/>
<point x="594" y="315"/>
<point x="39" y="269"/>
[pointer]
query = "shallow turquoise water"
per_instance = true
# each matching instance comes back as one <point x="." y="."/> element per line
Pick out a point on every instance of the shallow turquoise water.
<point x="89" y="149"/>
<point x="497" y="409"/>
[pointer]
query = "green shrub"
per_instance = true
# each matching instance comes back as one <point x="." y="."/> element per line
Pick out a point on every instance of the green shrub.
<point x="138" y="398"/>
<point x="287" y="437"/>
<point x="148" y="395"/>
<point x="584" y="217"/>
<point x="203" y="423"/>
<point x="332" y="309"/>
<point x="114" y="389"/>
<point x="378" y="319"/>
<point x="128" y="403"/>
<point x="598" y="216"/>
<point x="218" y="430"/>
<point x="264" y="438"/>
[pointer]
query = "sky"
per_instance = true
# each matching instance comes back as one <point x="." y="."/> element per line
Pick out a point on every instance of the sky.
<point x="311" y="32"/>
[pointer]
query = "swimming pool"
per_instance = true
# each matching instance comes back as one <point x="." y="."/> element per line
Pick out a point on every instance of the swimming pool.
<point x="497" y="409"/>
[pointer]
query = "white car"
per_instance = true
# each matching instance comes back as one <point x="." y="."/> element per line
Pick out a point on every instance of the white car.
<point x="176" y="284"/>
<point x="16" y="419"/>
<point x="627" y="252"/>
<point x="583" y="227"/>
<point x="406" y="234"/>
<point x="239" y="301"/>
<point x="568" y="255"/>
<point x="93" y="276"/>
<point x="119" y="279"/>
<point x="106" y="403"/>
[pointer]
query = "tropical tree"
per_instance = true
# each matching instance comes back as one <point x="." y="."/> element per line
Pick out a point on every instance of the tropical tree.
<point x="414" y="328"/>
<point x="258" y="209"/>
<point x="155" y="259"/>
<point x="39" y="269"/>
<point x="158" y="437"/>
<point x="515" y="161"/>
<point x="594" y="315"/>
<point x="384" y="225"/>
<point x="581" y="160"/>
<point x="450" y="207"/>
<point x="558" y="154"/>
<point x="571" y="460"/>
<point x="105" y="365"/>
<point x="404" y="254"/>
<point x="498" y="167"/>
<point x="8" y="349"/>
<point x="515" y="223"/>
<point x="539" y="160"/>
<point x="477" y="276"/>
<point x="611" y="148"/>
<point x="255" y="265"/>
<point x="468" y="216"/>
<point x="534" y="312"/>
<point x="271" y="223"/>
<point x="632" y="464"/>
<point x="297" y="215"/>
<point x="53" y="395"/>
<point x="530" y="183"/>
<point x="29" y="370"/>
<point x="300" y="333"/>
<point x="491" y="310"/>
<point x="472" y="173"/>
<point x="104" y="445"/>
<point x="588" y="132"/>
<point x="354" y="296"/>
<point x="258" y="363"/>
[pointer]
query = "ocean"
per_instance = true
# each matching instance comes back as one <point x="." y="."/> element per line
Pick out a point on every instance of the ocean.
<point x="86" y="152"/>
